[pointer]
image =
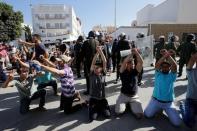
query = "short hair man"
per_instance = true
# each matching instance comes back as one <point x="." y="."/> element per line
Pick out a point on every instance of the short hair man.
<point x="163" y="93"/>
<point x="128" y="74"/>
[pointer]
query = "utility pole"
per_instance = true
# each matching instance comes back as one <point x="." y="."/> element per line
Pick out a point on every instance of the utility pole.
<point x="115" y="17"/>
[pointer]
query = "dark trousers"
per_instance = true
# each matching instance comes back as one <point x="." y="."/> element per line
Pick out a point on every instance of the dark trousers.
<point x="181" y="65"/>
<point x="114" y="62"/>
<point x="118" y="72"/>
<point x="87" y="75"/>
<point x="52" y="83"/>
<point x="188" y="112"/>
<point x="140" y="76"/>
<point x="66" y="104"/>
<point x="97" y="106"/>
<point x="109" y="63"/>
<point x="78" y="66"/>
<point x="25" y="102"/>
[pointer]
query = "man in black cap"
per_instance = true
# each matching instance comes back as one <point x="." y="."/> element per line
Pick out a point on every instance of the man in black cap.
<point x="87" y="53"/>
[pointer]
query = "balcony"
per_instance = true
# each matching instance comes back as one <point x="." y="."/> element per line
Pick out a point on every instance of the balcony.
<point x="48" y="17"/>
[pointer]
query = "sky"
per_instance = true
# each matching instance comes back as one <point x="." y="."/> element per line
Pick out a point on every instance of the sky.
<point x="91" y="12"/>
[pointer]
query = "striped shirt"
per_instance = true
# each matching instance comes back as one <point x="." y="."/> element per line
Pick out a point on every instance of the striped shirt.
<point x="67" y="82"/>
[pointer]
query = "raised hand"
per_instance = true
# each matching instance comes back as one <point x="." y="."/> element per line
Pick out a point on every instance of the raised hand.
<point x="11" y="76"/>
<point x="20" y="41"/>
<point x="134" y="50"/>
<point x="166" y="55"/>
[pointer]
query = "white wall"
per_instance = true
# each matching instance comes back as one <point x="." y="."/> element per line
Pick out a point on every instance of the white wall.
<point x="143" y="16"/>
<point x="165" y="12"/>
<point x="187" y="12"/>
<point x="170" y="12"/>
<point x="130" y="32"/>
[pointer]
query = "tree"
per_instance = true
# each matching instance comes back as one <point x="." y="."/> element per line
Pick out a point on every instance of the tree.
<point x="27" y="33"/>
<point x="10" y="23"/>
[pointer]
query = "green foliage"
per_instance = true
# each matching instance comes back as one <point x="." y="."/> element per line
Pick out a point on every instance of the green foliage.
<point x="10" y="23"/>
<point x="27" y="33"/>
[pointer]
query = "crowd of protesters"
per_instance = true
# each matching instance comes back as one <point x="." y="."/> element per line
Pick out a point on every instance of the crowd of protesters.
<point x="98" y="56"/>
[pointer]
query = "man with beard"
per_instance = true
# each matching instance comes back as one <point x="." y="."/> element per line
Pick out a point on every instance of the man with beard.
<point x="163" y="94"/>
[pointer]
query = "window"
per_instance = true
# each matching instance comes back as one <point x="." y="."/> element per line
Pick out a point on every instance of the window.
<point x="48" y="25"/>
<point x="57" y="26"/>
<point x="62" y="25"/>
<point x="67" y="25"/>
<point x="47" y="16"/>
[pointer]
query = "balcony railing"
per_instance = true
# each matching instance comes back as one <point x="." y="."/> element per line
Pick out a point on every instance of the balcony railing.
<point x="50" y="17"/>
<point x="53" y="27"/>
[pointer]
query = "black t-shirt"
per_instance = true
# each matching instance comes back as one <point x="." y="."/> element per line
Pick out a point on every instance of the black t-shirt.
<point x="39" y="50"/>
<point x="129" y="82"/>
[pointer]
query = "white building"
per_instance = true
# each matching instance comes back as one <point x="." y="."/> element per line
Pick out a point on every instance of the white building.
<point x="55" y="22"/>
<point x="168" y="12"/>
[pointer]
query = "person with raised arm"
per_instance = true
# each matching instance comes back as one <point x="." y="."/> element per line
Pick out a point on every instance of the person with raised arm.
<point x="129" y="75"/>
<point x="98" y="103"/>
<point x="163" y="93"/>
<point x="24" y="84"/>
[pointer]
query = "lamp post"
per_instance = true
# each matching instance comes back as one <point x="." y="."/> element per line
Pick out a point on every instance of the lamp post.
<point x="115" y="17"/>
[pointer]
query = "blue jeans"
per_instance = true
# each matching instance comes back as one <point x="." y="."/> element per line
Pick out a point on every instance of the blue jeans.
<point x="188" y="112"/>
<point x="155" y="106"/>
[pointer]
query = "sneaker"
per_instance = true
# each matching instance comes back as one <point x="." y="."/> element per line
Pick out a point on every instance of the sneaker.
<point x="42" y="109"/>
<point x="94" y="116"/>
<point x="116" y="81"/>
<point x="107" y="113"/>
